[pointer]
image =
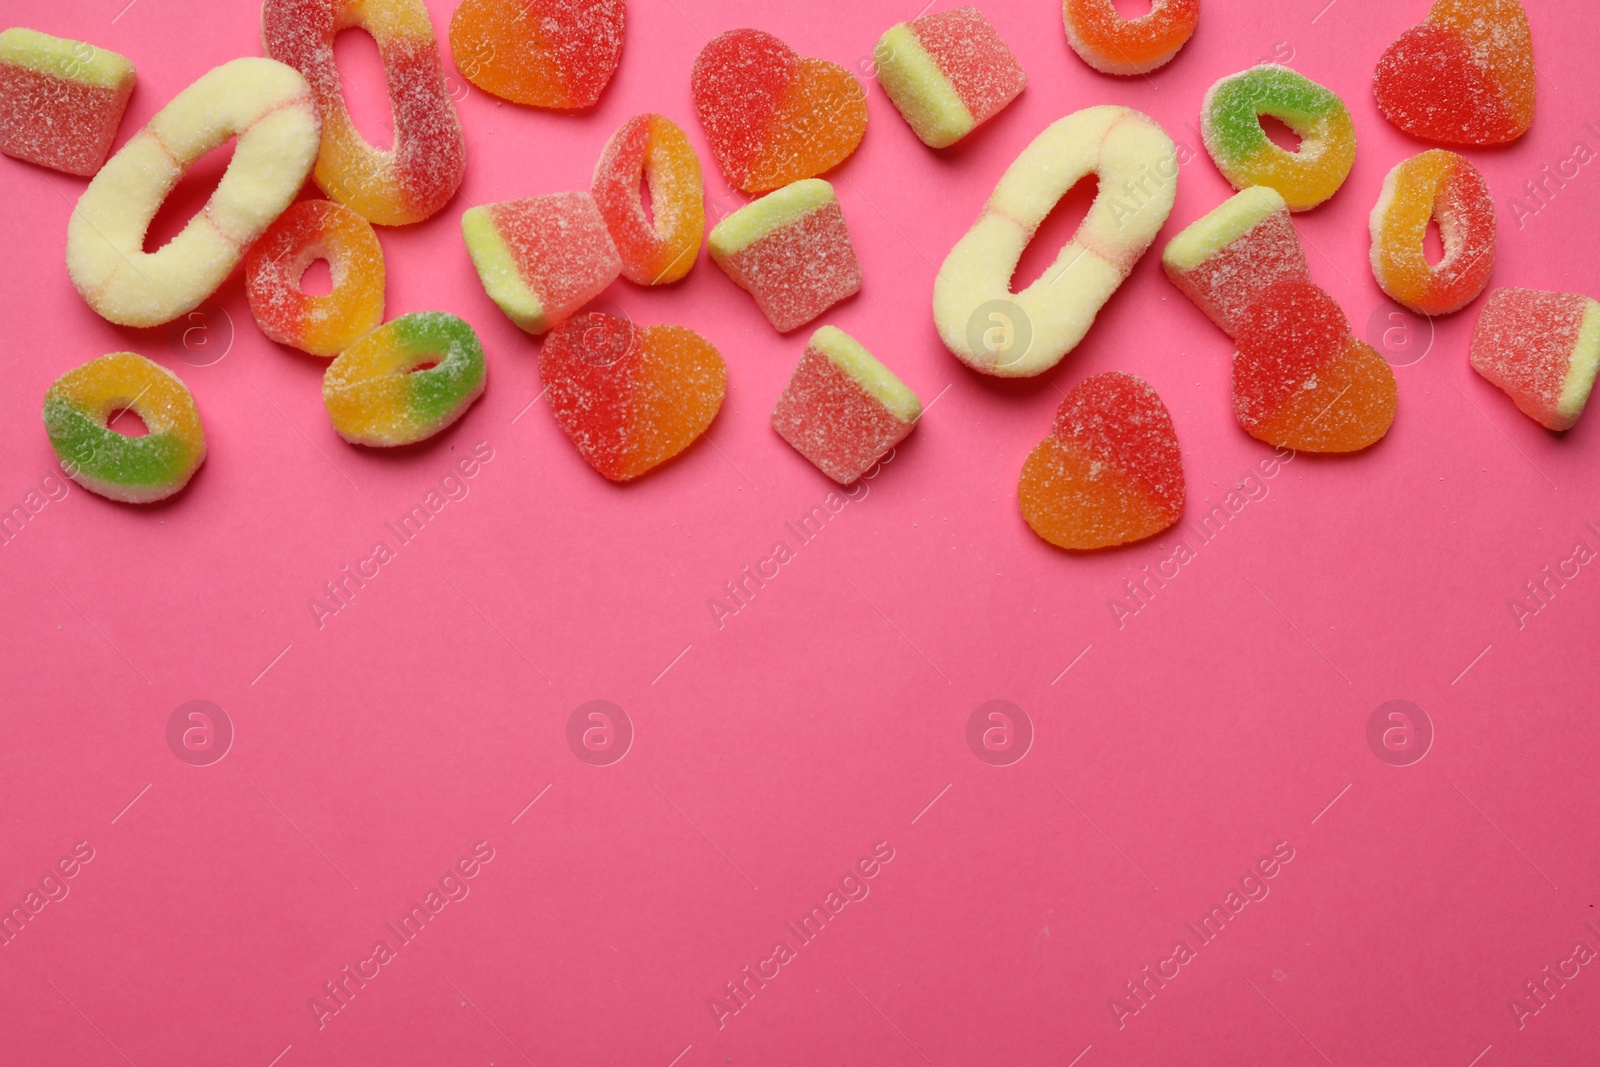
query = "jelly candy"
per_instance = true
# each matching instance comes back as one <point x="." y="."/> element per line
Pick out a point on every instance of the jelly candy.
<point x="1301" y="380"/>
<point x="843" y="410"/>
<point x="790" y="250"/>
<point x="630" y="398"/>
<point x="61" y="101"/>
<point x="947" y="73"/>
<point x="1112" y="44"/>
<point x="322" y="325"/>
<point x="1463" y="77"/>
<point x="1023" y="334"/>
<point x="541" y="258"/>
<point x="1442" y="187"/>
<point x="1224" y="261"/>
<point x="545" y="53"/>
<point x="1230" y="125"/>
<point x="270" y="108"/>
<point x="1542" y="349"/>
<point x="772" y="116"/>
<point x="658" y="248"/>
<point x="421" y="172"/>
<point x="136" y="470"/>
<point x="1110" y="472"/>
<point x="404" y="381"/>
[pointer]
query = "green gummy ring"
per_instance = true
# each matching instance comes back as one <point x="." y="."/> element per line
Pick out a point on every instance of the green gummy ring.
<point x="1235" y="104"/>
<point x="374" y="394"/>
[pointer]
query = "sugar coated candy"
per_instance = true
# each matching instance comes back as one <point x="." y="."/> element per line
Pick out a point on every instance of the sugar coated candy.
<point x="1442" y="187"/>
<point x="630" y="398"/>
<point x="1112" y="44"/>
<point x="1230" y="125"/>
<point x="790" y="250"/>
<point x="659" y="247"/>
<point x="1542" y="349"/>
<point x="541" y="258"/>
<point x="329" y="323"/>
<point x="83" y="405"/>
<point x="61" y="101"/>
<point x="544" y="53"/>
<point x="1464" y="77"/>
<point x="1012" y="335"/>
<point x="1301" y="380"/>
<point x="1224" y="261"/>
<point x="843" y="410"/>
<point x="405" y="381"/>
<point x="422" y="170"/>
<point x="773" y="116"/>
<point x="1110" y="472"/>
<point x="947" y="73"/>
<point x="270" y="108"/>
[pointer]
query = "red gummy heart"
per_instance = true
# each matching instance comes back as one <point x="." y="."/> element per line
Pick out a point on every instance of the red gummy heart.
<point x="1464" y="77"/>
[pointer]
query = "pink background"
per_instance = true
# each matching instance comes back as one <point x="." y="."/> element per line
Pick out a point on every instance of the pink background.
<point x="773" y="753"/>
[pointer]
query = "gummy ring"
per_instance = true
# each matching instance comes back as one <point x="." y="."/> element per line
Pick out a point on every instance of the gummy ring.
<point x="419" y="175"/>
<point x="1137" y="164"/>
<point x="405" y="381"/>
<point x="654" y="149"/>
<point x="135" y="470"/>
<point x="270" y="108"/>
<point x="327" y="324"/>
<point x="1112" y="44"/>
<point x="1436" y="185"/>
<point x="1230" y="124"/>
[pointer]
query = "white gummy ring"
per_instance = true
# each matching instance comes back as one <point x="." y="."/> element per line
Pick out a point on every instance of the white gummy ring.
<point x="1020" y="335"/>
<point x="269" y="107"/>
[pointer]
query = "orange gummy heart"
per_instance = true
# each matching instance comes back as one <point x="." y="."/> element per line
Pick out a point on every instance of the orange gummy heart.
<point x="545" y="53"/>
<point x="773" y="116"/>
<point x="1465" y="76"/>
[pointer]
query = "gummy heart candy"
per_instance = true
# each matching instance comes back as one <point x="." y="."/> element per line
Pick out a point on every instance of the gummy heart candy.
<point x="630" y="398"/>
<point x="1301" y="380"/>
<point x="61" y="101"/>
<point x="1110" y="472"/>
<point x="773" y="116"/>
<point x="1542" y="349"/>
<point x="1443" y="187"/>
<point x="947" y="73"/>
<point x="546" y="53"/>
<point x="790" y="250"/>
<point x="843" y="410"/>
<point x="1226" y="260"/>
<point x="1112" y="44"/>
<point x="1465" y="76"/>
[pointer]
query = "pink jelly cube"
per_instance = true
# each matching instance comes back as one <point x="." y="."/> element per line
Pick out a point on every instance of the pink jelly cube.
<point x="947" y="73"/>
<point x="790" y="250"/>
<point x="1543" y="349"/>
<point x="61" y="101"/>
<point x="541" y="258"/>
<point x="1225" y="261"/>
<point x="843" y="410"/>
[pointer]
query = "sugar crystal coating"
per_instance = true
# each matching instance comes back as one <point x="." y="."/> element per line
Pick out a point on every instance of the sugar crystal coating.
<point x="270" y="109"/>
<point x="1542" y="349"/>
<point x="630" y="398"/>
<point x="405" y="381"/>
<point x="659" y="248"/>
<point x="1110" y="472"/>
<point x="1112" y="44"/>
<point x="544" y="53"/>
<point x="1436" y="186"/>
<point x="1227" y="259"/>
<point x="842" y="409"/>
<point x="61" y="101"/>
<point x="791" y="251"/>
<point x="541" y="258"/>
<point x="1230" y="125"/>
<point x="79" y="412"/>
<point x="772" y="116"/>
<point x="1463" y="77"/>
<point x="947" y="73"/>
<point x="416" y="177"/>
<point x="327" y="324"/>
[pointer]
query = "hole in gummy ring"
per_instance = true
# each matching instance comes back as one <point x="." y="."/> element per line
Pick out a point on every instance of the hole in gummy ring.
<point x="186" y="199"/>
<point x="1133" y="9"/>
<point x="318" y="278"/>
<point x="1280" y="133"/>
<point x="127" y="422"/>
<point x="1433" y="244"/>
<point x="427" y="364"/>
<point x="644" y="199"/>
<point x="1058" y="227"/>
